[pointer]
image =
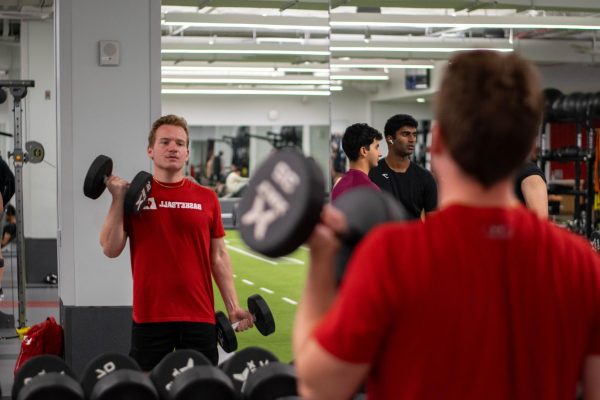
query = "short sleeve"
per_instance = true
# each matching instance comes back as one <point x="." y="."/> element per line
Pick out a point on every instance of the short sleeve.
<point x="360" y="318"/>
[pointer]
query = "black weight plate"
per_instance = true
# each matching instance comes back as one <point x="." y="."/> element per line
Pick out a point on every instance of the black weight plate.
<point x="264" y="321"/>
<point x="272" y="382"/>
<point x="382" y="206"/>
<point x="281" y="204"/>
<point x="595" y="104"/>
<point x="244" y="363"/>
<point x="39" y="365"/>
<point x="124" y="384"/>
<point x="137" y="195"/>
<point x="173" y="365"/>
<point x="52" y="386"/>
<point x="103" y="365"/>
<point x="94" y="185"/>
<point x="582" y="105"/>
<point x="203" y="382"/>
<point x="225" y="333"/>
<point x="550" y="96"/>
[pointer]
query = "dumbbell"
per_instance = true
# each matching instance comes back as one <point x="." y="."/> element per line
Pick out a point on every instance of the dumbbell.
<point x="114" y="376"/>
<point x="137" y="193"/>
<point x="46" y="377"/>
<point x="283" y="201"/>
<point x="261" y="316"/>
<point x="256" y="373"/>
<point x="187" y="374"/>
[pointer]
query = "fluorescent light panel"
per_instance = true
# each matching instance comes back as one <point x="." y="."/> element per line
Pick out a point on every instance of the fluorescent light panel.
<point x="360" y="77"/>
<point x="282" y="81"/>
<point x="381" y="66"/>
<point x="246" y="22"/>
<point x="248" y="91"/>
<point x="465" y="22"/>
<point x="279" y="40"/>
<point x="241" y="51"/>
<point x="415" y="49"/>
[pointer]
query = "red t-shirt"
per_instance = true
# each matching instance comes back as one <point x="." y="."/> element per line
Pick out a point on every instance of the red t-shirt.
<point x="352" y="179"/>
<point x="475" y="303"/>
<point x="170" y="253"/>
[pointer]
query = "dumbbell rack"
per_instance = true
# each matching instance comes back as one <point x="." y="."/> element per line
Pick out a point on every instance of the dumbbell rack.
<point x="560" y="108"/>
<point x="18" y="90"/>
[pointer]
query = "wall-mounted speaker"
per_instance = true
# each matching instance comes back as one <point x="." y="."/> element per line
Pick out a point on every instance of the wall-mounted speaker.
<point x="109" y="52"/>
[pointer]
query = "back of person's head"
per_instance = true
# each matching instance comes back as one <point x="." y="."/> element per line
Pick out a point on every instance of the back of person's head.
<point x="489" y="108"/>
<point x="169" y="119"/>
<point x="398" y="121"/>
<point x="10" y="211"/>
<point x="357" y="136"/>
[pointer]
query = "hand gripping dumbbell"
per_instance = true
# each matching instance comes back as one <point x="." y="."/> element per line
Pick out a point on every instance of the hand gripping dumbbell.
<point x="283" y="201"/>
<point x="137" y="193"/>
<point x="261" y="316"/>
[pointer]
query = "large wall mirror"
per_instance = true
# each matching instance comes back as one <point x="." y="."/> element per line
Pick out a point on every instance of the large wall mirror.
<point x="250" y="76"/>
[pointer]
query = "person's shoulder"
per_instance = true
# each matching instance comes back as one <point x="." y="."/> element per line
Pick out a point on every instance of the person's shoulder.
<point x="529" y="169"/>
<point x="421" y="172"/>
<point x="202" y="190"/>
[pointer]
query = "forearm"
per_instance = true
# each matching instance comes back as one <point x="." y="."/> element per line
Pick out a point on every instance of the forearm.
<point x="223" y="276"/>
<point x="113" y="236"/>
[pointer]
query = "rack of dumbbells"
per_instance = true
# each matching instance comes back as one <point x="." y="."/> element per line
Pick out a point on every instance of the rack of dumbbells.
<point x="582" y="109"/>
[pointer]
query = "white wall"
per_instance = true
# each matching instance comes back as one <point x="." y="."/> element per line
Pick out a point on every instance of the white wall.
<point x="348" y="107"/>
<point x="101" y="110"/>
<point x="247" y="109"/>
<point x="571" y="78"/>
<point x="39" y="180"/>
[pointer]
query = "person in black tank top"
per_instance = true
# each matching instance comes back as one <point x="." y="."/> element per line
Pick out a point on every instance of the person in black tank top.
<point x="411" y="184"/>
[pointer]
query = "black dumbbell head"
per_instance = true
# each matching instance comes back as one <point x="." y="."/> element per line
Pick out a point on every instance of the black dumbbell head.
<point x="282" y="203"/>
<point x="37" y="365"/>
<point x="264" y="321"/>
<point x="225" y="333"/>
<point x="138" y="193"/>
<point x="52" y="386"/>
<point x="173" y="365"/>
<point x="382" y="207"/>
<point x="244" y="363"/>
<point x="94" y="184"/>
<point x="103" y="365"/>
<point x="203" y="382"/>
<point x="271" y="382"/>
<point x="124" y="384"/>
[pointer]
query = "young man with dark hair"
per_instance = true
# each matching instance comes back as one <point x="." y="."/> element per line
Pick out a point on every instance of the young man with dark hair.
<point x="484" y="300"/>
<point x="410" y="183"/>
<point x="361" y="145"/>
<point x="175" y="254"/>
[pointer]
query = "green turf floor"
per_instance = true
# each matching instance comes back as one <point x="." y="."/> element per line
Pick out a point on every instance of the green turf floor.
<point x="284" y="277"/>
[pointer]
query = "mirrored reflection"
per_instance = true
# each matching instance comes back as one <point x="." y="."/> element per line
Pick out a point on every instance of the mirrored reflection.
<point x="248" y="80"/>
<point x="389" y="60"/>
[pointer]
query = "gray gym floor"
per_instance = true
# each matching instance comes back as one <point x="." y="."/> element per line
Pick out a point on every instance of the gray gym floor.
<point x="42" y="302"/>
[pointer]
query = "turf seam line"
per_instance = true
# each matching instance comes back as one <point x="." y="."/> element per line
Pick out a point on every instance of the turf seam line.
<point x="289" y="301"/>
<point x="267" y="290"/>
<point x="246" y="253"/>
<point x="247" y="282"/>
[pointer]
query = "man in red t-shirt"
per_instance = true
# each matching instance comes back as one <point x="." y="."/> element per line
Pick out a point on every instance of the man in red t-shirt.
<point x="482" y="301"/>
<point x="361" y="145"/>
<point x="177" y="246"/>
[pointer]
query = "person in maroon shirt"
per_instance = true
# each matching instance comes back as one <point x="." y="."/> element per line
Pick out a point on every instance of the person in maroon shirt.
<point x="361" y="145"/>
<point x="484" y="300"/>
